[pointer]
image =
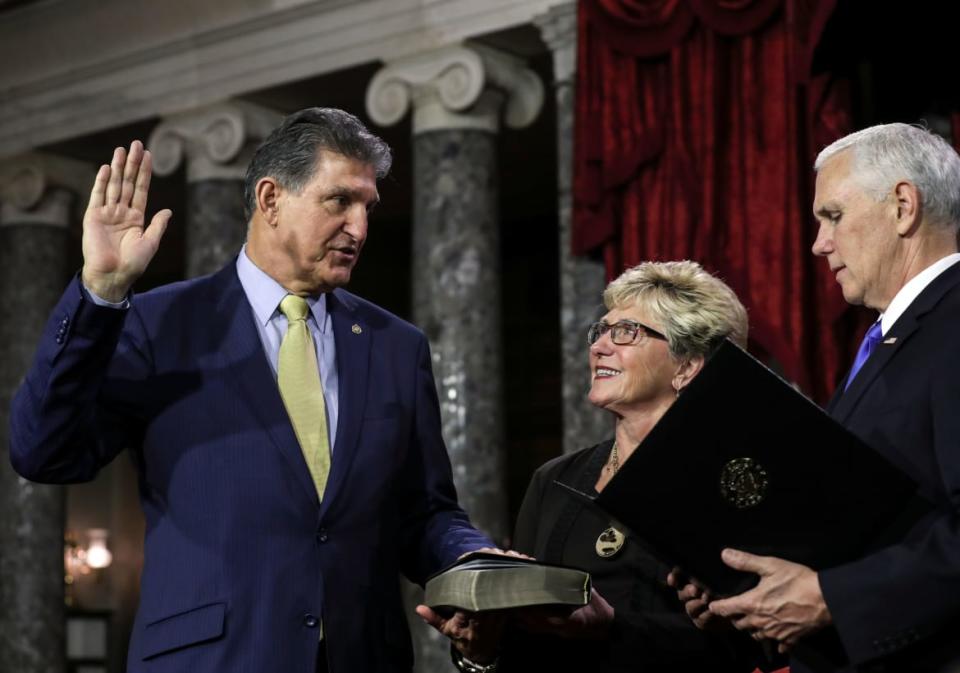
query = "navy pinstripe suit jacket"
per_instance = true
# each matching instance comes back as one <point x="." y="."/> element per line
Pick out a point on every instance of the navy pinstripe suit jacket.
<point x="241" y="558"/>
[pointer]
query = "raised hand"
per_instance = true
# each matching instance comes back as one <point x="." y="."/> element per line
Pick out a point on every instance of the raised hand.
<point x="116" y="246"/>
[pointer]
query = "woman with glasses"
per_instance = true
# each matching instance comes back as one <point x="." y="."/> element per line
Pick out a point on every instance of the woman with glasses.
<point x="663" y="321"/>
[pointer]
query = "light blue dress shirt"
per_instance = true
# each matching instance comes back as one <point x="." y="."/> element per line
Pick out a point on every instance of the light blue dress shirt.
<point x="264" y="295"/>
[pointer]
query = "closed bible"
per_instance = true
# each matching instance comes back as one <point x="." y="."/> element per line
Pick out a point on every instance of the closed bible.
<point x="743" y="460"/>
<point x="484" y="581"/>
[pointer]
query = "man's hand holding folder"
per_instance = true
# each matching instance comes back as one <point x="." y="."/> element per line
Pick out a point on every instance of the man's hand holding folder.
<point x="786" y="604"/>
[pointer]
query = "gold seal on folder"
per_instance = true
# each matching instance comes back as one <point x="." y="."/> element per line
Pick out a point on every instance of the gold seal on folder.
<point x="743" y="483"/>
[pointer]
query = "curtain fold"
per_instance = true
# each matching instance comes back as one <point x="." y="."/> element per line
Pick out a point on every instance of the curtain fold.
<point x="697" y="125"/>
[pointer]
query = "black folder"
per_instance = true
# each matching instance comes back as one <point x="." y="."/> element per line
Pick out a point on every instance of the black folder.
<point x="743" y="460"/>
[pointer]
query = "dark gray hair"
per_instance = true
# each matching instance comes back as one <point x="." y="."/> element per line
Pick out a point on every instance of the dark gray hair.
<point x="883" y="155"/>
<point x="290" y="152"/>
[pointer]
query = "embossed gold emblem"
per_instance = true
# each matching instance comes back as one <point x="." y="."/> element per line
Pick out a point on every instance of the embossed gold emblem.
<point x="356" y="329"/>
<point x="609" y="542"/>
<point x="743" y="483"/>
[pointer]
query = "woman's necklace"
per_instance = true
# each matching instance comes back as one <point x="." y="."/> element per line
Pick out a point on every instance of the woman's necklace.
<point x="611" y="540"/>
<point x="614" y="463"/>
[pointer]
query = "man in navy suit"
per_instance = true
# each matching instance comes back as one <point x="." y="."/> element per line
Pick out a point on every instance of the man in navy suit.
<point x="888" y="204"/>
<point x="248" y="567"/>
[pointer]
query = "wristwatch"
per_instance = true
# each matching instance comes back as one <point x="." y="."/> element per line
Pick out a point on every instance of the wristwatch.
<point x="464" y="665"/>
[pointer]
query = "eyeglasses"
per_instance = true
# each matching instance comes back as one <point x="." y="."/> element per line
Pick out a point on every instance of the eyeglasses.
<point x="622" y="333"/>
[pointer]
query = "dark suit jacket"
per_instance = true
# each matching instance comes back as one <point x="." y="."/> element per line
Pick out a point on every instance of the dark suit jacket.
<point x="241" y="559"/>
<point x="900" y="607"/>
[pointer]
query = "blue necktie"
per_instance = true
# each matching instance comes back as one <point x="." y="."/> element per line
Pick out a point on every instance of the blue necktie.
<point x="870" y="341"/>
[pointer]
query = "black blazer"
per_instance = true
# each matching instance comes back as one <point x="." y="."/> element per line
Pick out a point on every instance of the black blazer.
<point x="899" y="608"/>
<point x="651" y="633"/>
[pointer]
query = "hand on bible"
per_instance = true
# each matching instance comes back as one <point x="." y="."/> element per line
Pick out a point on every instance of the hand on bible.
<point x="495" y="550"/>
<point x="116" y="246"/>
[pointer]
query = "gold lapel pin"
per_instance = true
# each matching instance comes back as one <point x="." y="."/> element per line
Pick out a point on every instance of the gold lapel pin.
<point x="890" y="341"/>
<point x="356" y="329"/>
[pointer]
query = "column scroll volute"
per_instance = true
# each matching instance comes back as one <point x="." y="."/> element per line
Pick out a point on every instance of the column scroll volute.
<point x="215" y="140"/>
<point x="459" y="86"/>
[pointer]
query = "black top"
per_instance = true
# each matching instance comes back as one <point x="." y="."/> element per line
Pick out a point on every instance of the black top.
<point x="651" y="631"/>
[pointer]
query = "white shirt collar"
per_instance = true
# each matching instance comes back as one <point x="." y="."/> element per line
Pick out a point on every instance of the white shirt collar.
<point x="910" y="291"/>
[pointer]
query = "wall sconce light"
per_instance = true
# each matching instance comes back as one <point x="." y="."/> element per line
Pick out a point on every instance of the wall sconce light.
<point x="79" y="559"/>
<point x="98" y="556"/>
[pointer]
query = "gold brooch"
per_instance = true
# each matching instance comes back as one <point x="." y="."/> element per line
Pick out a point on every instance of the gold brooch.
<point x="356" y="329"/>
<point x="609" y="542"/>
<point x="743" y="483"/>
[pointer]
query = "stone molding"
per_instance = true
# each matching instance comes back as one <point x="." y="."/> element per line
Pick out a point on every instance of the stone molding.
<point x="456" y="87"/>
<point x="558" y="27"/>
<point x="213" y="56"/>
<point x="216" y="140"/>
<point x="38" y="188"/>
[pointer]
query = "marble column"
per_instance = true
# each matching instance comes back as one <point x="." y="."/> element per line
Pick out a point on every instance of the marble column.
<point x="458" y="95"/>
<point x="36" y="207"/>
<point x="217" y="142"/>
<point x="582" y="279"/>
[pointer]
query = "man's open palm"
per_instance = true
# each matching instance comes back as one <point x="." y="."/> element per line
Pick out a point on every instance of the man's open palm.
<point x="116" y="246"/>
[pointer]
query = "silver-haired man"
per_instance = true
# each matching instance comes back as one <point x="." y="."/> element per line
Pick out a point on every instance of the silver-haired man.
<point x="888" y="203"/>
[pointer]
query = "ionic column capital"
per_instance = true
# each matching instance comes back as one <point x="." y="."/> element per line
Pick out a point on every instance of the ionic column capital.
<point x="217" y="140"/>
<point x="558" y="27"/>
<point x="39" y="188"/>
<point x="456" y="87"/>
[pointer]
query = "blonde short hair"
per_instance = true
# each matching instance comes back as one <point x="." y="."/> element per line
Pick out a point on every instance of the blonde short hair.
<point x="696" y="309"/>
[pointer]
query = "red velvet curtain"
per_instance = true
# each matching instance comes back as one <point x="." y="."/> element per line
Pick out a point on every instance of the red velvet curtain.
<point x="697" y="125"/>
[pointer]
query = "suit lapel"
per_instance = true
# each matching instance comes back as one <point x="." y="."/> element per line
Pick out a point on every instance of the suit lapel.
<point x="909" y="322"/>
<point x="245" y="365"/>
<point x="352" y="338"/>
<point x="882" y="354"/>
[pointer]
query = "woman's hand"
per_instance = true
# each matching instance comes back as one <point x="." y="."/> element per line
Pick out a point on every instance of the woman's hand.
<point x="696" y="602"/>
<point x="593" y="620"/>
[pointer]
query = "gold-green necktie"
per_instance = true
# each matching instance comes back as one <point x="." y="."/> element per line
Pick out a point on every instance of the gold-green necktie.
<point x="299" y="378"/>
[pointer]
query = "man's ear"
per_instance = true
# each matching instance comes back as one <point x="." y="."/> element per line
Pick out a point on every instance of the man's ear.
<point x="909" y="204"/>
<point x="686" y="372"/>
<point x="268" y="192"/>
